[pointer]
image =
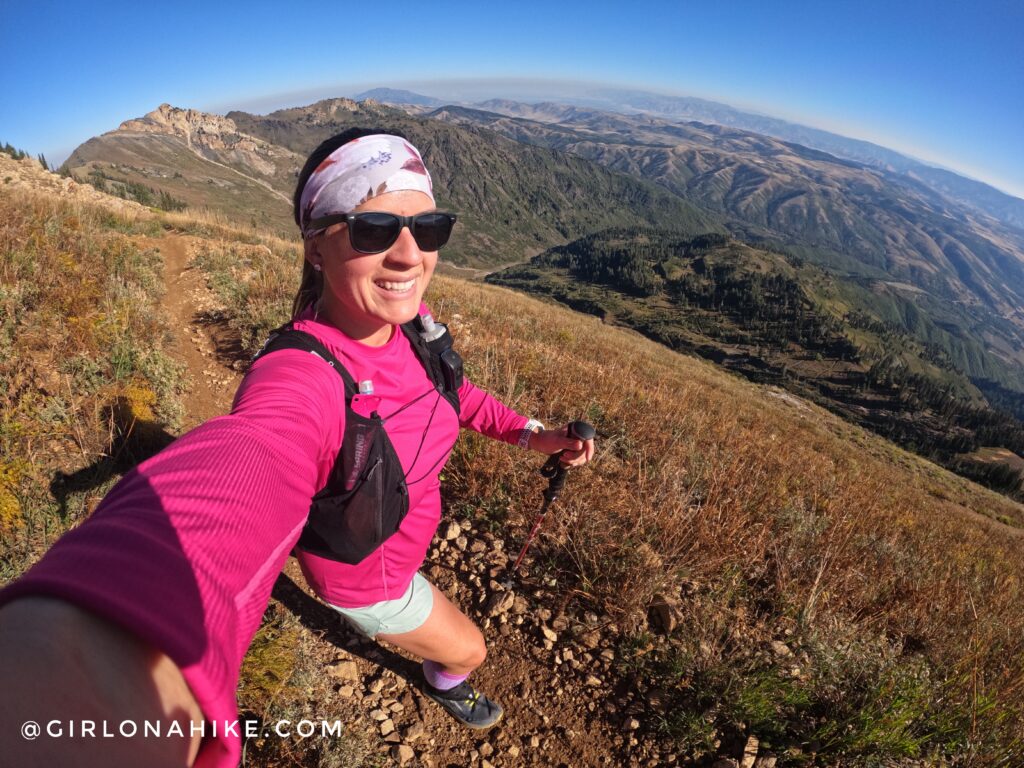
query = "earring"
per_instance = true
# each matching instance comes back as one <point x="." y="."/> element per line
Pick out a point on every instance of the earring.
<point x="316" y="267"/>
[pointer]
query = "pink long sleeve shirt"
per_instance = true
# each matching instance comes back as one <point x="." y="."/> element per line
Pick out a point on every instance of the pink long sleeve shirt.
<point x="185" y="549"/>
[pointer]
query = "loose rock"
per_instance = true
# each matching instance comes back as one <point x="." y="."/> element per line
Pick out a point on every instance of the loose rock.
<point x="403" y="753"/>
<point x="781" y="649"/>
<point x="750" y="753"/>
<point x="664" y="614"/>
<point x="414" y="732"/>
<point x="591" y="640"/>
<point x="500" y="603"/>
<point x="343" y="670"/>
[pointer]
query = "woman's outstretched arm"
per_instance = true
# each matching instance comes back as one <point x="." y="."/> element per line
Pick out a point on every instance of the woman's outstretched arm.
<point x="182" y="554"/>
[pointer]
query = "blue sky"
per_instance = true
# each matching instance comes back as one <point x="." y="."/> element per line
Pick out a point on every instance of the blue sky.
<point x="941" y="80"/>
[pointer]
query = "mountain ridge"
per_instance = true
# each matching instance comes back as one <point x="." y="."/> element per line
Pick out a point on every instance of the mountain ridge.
<point x="848" y="147"/>
<point x="979" y="195"/>
<point x="489" y="180"/>
<point x="811" y="198"/>
<point x="492" y="168"/>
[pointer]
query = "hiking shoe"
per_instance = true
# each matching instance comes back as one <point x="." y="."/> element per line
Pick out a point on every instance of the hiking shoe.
<point x="467" y="705"/>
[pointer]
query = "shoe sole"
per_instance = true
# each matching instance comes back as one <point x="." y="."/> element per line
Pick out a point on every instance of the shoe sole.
<point x="480" y="727"/>
<point x="460" y="721"/>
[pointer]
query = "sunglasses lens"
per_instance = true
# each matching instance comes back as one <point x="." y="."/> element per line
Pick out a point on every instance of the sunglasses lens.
<point x="432" y="230"/>
<point x="373" y="232"/>
<point x="376" y="231"/>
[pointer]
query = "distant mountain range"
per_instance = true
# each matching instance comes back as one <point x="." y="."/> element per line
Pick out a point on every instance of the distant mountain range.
<point x="397" y="96"/>
<point x="978" y="196"/>
<point x="525" y="178"/>
<point x="514" y="200"/>
<point x="898" y="231"/>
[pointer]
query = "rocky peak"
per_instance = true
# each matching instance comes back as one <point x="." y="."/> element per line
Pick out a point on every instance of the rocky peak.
<point x="213" y="136"/>
<point x="329" y="110"/>
<point x="180" y="122"/>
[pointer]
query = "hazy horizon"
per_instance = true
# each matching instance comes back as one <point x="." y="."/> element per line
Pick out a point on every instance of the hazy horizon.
<point x="475" y="90"/>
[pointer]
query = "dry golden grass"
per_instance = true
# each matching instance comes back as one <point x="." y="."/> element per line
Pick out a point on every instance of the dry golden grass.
<point x="787" y="527"/>
<point x="81" y="356"/>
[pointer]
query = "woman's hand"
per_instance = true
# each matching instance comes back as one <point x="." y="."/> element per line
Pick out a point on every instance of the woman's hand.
<point x="73" y="666"/>
<point x="576" y="452"/>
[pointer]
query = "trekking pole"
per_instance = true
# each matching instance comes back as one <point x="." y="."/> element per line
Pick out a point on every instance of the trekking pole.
<point x="555" y="471"/>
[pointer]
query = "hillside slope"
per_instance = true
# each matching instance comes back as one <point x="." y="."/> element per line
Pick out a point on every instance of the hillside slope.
<point x="200" y="159"/>
<point x="777" y="319"/>
<point x="737" y="571"/>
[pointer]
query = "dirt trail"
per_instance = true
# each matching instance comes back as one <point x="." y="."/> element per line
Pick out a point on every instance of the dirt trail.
<point x="198" y="335"/>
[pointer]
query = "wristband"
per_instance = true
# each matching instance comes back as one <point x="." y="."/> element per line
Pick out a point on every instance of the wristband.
<point x="524" y="436"/>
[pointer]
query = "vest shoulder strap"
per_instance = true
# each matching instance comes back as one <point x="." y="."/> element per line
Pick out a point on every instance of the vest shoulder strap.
<point x="433" y="361"/>
<point x="287" y="337"/>
<point x="444" y="372"/>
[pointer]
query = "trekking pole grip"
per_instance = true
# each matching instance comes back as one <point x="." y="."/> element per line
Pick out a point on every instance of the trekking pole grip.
<point x="581" y="430"/>
<point x="553" y="467"/>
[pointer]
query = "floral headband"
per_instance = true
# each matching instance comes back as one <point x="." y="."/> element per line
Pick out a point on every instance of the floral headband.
<point x="358" y="170"/>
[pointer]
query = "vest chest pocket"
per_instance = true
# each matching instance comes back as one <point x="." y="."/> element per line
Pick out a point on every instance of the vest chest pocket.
<point x="349" y="525"/>
<point x="366" y="497"/>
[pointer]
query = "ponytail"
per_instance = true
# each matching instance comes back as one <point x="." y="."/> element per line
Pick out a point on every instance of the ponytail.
<point x="310" y="288"/>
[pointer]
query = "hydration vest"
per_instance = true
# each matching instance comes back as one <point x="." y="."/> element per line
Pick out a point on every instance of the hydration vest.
<point x="366" y="497"/>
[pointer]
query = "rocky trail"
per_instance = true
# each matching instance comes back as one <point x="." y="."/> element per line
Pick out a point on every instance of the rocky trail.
<point x="201" y="339"/>
<point x="552" y="666"/>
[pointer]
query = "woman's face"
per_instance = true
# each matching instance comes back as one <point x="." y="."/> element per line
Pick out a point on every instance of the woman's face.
<point x="365" y="294"/>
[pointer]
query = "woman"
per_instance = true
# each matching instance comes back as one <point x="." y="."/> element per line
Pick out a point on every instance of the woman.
<point x="163" y="588"/>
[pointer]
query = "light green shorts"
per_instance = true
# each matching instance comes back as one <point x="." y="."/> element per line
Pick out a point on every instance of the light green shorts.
<point x="393" y="617"/>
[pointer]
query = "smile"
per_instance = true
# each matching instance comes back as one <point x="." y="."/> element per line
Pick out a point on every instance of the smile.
<point x="395" y="287"/>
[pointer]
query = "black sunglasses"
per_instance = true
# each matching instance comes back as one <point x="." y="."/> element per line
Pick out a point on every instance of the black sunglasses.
<point x="376" y="231"/>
